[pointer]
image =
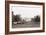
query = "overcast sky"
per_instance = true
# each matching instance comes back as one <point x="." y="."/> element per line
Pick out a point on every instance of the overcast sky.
<point x="26" y="11"/>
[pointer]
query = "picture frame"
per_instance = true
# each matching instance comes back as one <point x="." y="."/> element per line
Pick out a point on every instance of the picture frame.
<point x="7" y="19"/>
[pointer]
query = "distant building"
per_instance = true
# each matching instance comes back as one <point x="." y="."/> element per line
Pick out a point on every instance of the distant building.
<point x="27" y="19"/>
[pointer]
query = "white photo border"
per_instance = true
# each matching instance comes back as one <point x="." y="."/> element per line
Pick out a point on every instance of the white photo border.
<point x="24" y="29"/>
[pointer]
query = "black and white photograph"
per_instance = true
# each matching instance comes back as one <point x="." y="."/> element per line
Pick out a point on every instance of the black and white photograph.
<point x="25" y="16"/>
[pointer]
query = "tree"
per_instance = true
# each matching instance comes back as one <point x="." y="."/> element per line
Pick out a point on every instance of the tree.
<point x="37" y="19"/>
<point x="17" y="17"/>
